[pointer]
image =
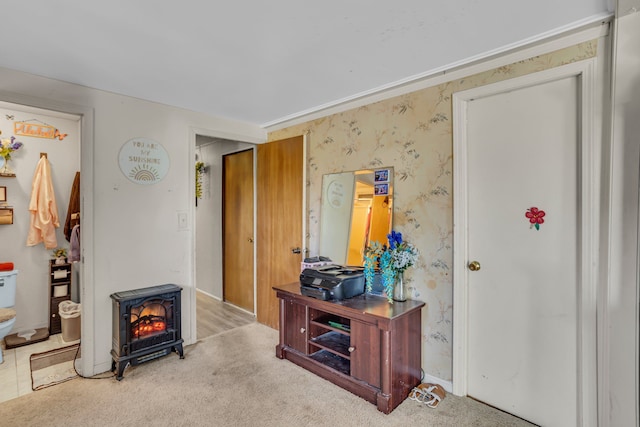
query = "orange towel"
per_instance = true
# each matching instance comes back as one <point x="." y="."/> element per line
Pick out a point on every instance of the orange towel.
<point x="6" y="266"/>
<point x="43" y="208"/>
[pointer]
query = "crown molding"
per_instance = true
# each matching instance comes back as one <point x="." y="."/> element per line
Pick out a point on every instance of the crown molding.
<point x="587" y="29"/>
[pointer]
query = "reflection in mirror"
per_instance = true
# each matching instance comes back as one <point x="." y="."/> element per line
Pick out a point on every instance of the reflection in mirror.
<point x="356" y="210"/>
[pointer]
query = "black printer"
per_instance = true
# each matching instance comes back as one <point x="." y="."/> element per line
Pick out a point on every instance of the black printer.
<point x="332" y="282"/>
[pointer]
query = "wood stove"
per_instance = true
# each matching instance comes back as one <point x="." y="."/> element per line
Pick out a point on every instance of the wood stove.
<point x="146" y="325"/>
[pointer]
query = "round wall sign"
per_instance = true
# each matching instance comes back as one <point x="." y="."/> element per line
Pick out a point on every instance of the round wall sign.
<point x="335" y="194"/>
<point x="143" y="161"/>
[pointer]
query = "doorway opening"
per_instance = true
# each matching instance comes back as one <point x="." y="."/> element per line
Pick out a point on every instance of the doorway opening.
<point x="63" y="134"/>
<point x="213" y="312"/>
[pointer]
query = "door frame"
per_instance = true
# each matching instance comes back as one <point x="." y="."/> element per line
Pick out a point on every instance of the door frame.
<point x="588" y="330"/>
<point x="87" y="365"/>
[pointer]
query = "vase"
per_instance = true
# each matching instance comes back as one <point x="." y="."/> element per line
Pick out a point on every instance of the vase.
<point x="6" y="170"/>
<point x="60" y="261"/>
<point x="399" y="290"/>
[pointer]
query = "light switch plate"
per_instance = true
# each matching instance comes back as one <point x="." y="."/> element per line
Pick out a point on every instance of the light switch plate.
<point x="183" y="222"/>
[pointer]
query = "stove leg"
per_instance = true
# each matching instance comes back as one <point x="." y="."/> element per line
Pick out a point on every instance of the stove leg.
<point x="119" y="368"/>
<point x="178" y="349"/>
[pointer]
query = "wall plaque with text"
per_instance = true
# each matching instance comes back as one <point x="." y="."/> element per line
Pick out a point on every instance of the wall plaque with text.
<point x="143" y="161"/>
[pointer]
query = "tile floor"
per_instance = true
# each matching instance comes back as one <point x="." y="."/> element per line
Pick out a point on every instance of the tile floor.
<point x="15" y="373"/>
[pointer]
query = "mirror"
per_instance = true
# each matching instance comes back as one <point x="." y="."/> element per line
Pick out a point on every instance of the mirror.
<point x="356" y="209"/>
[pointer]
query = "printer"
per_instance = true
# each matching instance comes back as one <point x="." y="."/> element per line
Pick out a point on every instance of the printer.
<point x="332" y="282"/>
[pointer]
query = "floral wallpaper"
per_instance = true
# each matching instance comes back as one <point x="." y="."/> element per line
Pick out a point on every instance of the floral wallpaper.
<point x="414" y="134"/>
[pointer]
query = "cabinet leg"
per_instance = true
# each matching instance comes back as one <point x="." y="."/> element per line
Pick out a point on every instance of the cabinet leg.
<point x="383" y="403"/>
<point x="279" y="352"/>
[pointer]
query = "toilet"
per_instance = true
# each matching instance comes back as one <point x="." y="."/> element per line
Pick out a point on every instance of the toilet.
<point x="7" y="302"/>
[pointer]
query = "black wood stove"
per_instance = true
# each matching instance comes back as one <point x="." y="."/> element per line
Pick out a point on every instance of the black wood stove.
<point x="146" y="325"/>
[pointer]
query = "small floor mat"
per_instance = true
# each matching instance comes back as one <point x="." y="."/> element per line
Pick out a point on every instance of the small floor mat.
<point x="13" y="340"/>
<point x="53" y="367"/>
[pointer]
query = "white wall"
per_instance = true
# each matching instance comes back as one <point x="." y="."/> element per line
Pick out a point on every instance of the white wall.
<point x="621" y="356"/>
<point x="32" y="296"/>
<point x="209" y="213"/>
<point x="130" y="232"/>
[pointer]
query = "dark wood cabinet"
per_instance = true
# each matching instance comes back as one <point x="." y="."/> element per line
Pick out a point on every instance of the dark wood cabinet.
<point x="363" y="344"/>
<point x="59" y="290"/>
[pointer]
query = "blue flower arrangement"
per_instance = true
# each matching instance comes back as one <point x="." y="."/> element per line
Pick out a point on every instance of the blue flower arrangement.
<point x="391" y="260"/>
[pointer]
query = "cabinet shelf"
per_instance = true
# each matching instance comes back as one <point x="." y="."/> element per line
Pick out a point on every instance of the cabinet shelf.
<point x="330" y="321"/>
<point x="334" y="342"/>
<point x="332" y="360"/>
<point x="338" y="327"/>
<point x="60" y="273"/>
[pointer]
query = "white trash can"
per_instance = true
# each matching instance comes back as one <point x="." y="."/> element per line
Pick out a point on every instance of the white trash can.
<point x="69" y="312"/>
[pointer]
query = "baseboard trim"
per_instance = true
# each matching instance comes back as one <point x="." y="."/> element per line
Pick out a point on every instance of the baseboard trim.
<point x="447" y="385"/>
<point x="208" y="294"/>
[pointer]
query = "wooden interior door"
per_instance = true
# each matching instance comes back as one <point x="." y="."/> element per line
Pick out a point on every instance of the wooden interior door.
<point x="237" y="229"/>
<point x="279" y="198"/>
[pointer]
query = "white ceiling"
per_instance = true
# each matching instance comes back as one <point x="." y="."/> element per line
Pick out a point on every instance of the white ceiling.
<point x="264" y="61"/>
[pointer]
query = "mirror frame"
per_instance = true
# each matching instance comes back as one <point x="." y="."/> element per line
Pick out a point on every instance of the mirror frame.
<point x="366" y="217"/>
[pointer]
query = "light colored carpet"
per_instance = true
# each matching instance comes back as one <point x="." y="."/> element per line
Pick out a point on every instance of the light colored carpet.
<point x="230" y="379"/>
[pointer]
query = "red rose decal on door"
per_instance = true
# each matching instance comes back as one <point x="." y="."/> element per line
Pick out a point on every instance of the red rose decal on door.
<point x="536" y="217"/>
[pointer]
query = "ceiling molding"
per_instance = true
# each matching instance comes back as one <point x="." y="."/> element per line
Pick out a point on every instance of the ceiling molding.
<point x="569" y="35"/>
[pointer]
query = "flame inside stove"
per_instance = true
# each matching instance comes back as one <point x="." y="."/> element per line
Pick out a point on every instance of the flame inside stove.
<point x="148" y="327"/>
<point x="148" y="320"/>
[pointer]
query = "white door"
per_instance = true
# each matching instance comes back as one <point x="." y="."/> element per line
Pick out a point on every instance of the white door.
<point x="528" y="319"/>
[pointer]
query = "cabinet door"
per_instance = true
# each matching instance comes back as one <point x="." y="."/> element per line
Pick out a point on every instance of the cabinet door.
<point x="295" y="327"/>
<point x="55" y="322"/>
<point x="365" y="353"/>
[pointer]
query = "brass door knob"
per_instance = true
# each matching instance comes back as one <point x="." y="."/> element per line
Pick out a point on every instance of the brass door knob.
<point x="474" y="266"/>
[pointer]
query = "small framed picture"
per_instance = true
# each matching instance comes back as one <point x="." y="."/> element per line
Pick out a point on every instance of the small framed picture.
<point x="381" y="175"/>
<point x="381" y="189"/>
<point x="3" y="194"/>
